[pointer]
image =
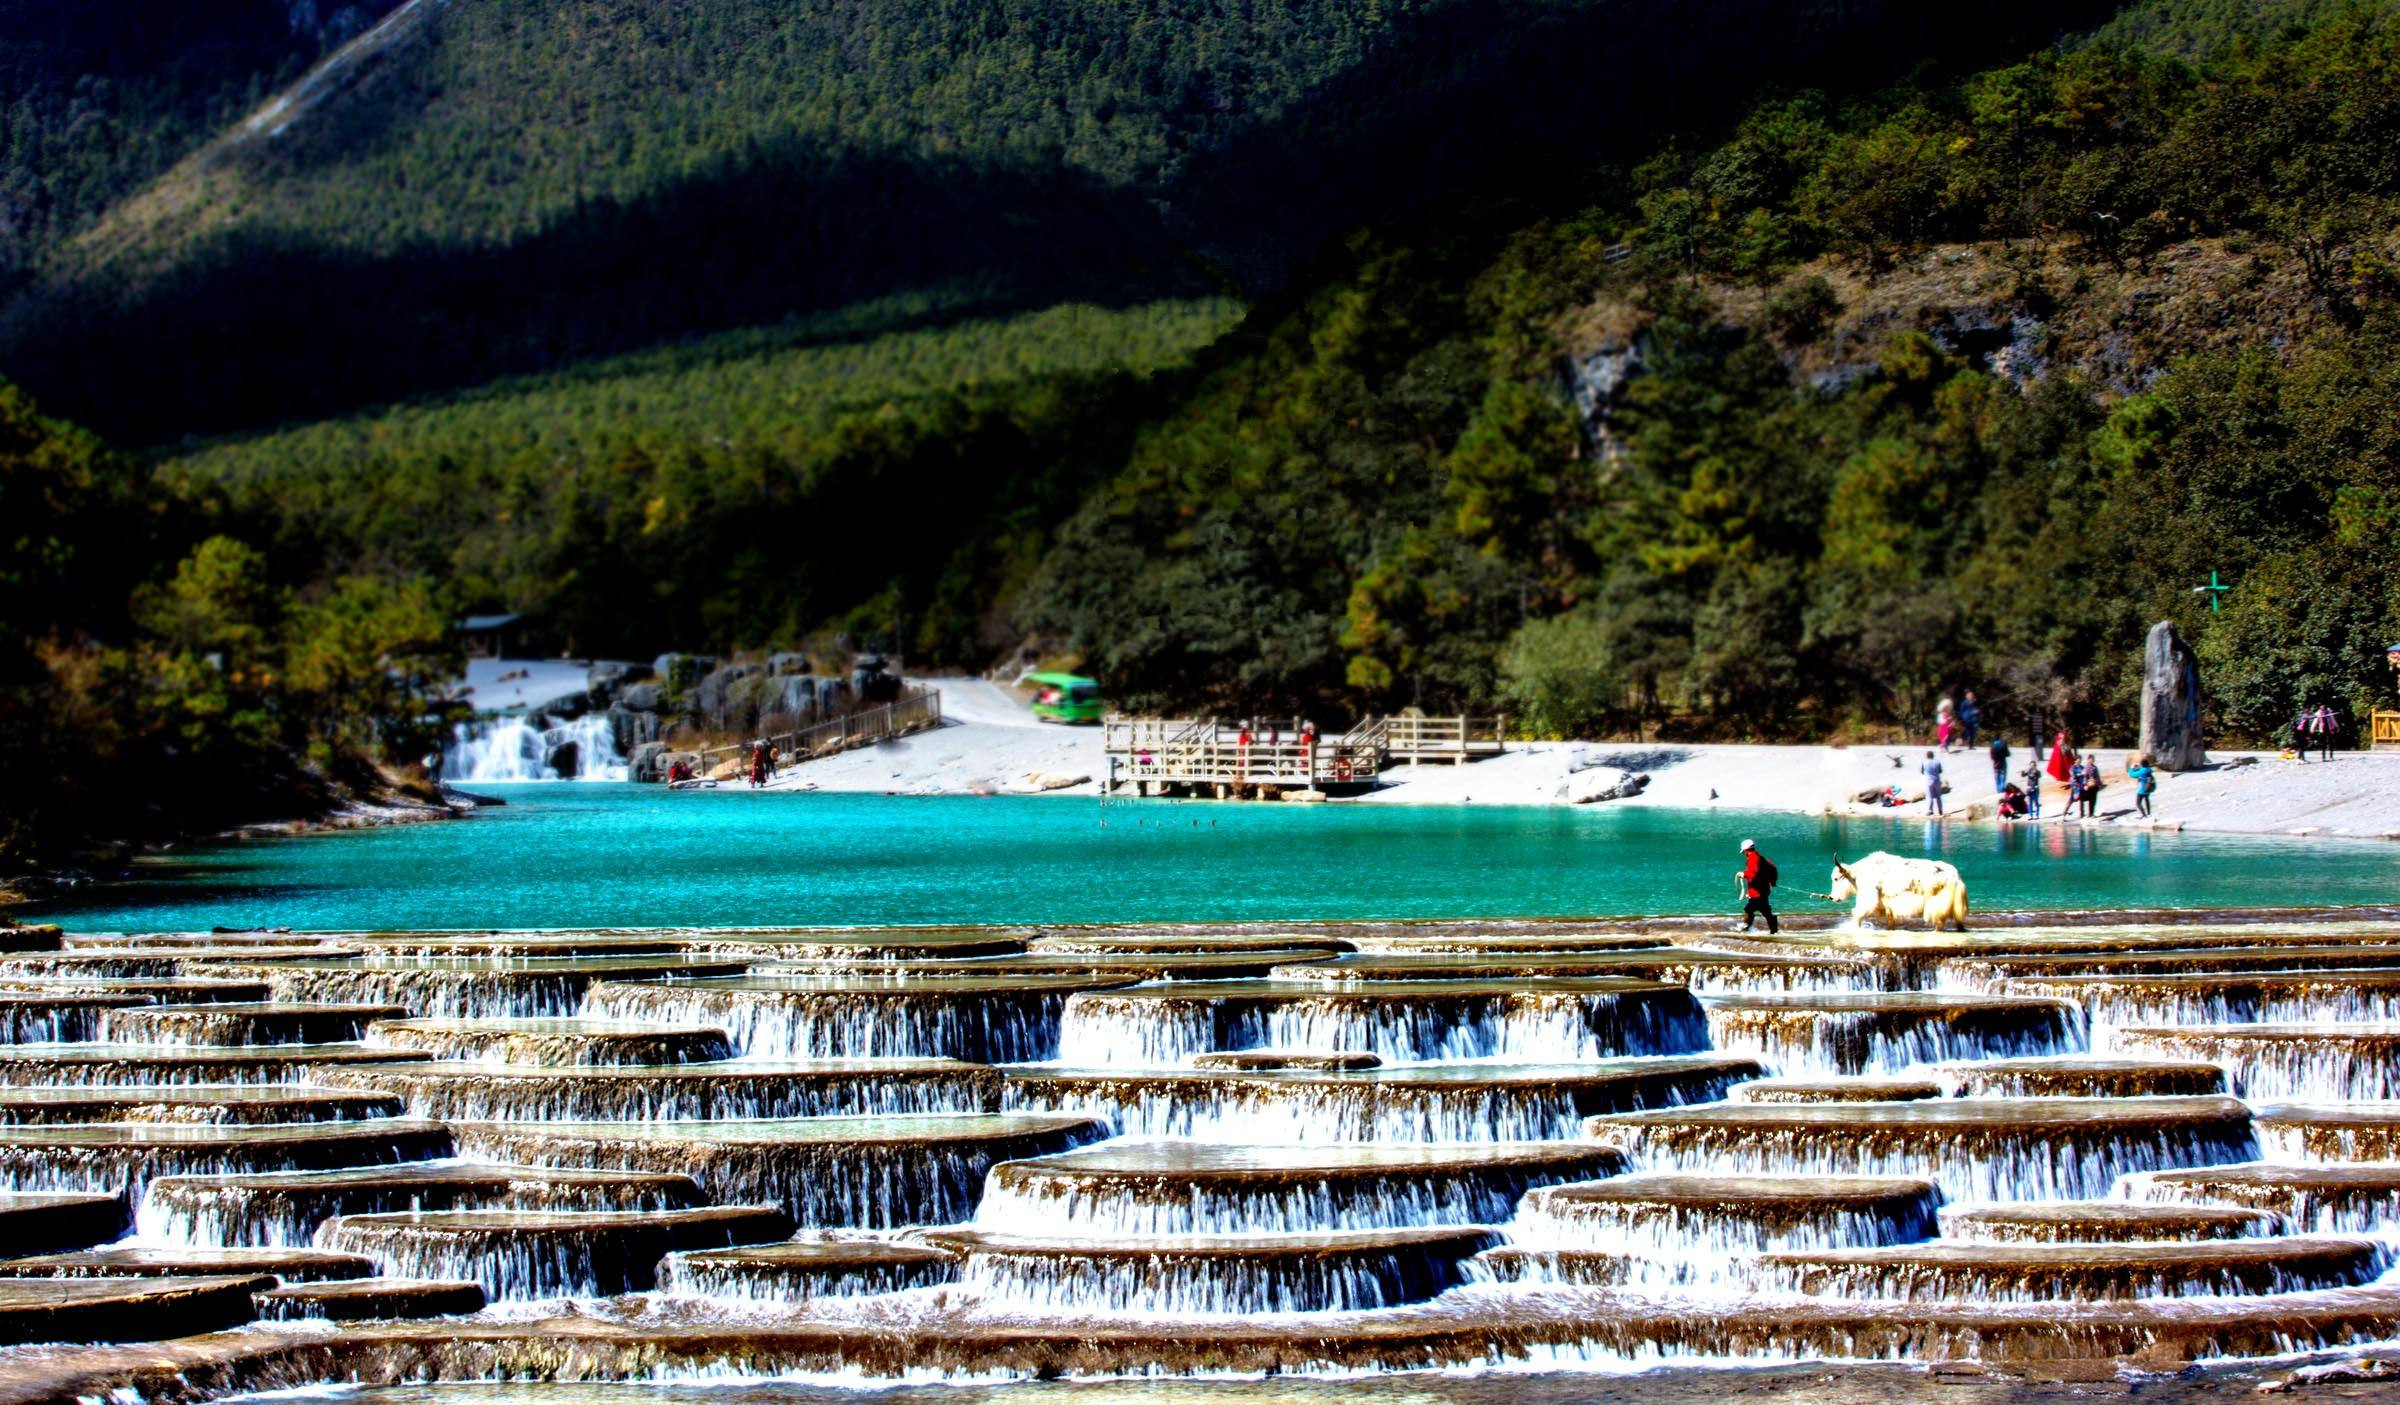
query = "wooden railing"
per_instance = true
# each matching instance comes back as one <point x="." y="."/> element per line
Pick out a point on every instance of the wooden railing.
<point x="2384" y="727"/>
<point x="1206" y="752"/>
<point x="915" y="710"/>
<point x="1412" y="738"/>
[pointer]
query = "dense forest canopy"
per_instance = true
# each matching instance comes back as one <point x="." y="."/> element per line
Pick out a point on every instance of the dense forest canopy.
<point x="1308" y="356"/>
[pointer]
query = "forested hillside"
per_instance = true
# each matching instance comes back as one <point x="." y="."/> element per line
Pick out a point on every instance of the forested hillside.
<point x="1431" y="486"/>
<point x="512" y="186"/>
<point x="1566" y="357"/>
<point x="99" y="96"/>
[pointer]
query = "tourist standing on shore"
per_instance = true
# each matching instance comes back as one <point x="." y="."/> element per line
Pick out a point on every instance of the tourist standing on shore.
<point x="2091" y="786"/>
<point x="2304" y="728"/>
<point x="2327" y="725"/>
<point x="2145" y="781"/>
<point x="2062" y="757"/>
<point x="1970" y="717"/>
<point x="1945" y="717"/>
<point x="2033" y="792"/>
<point x="1758" y="888"/>
<point x="1999" y="762"/>
<point x="1932" y="771"/>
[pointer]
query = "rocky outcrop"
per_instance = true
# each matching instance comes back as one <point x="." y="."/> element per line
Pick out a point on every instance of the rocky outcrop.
<point x="695" y="691"/>
<point x="2171" y="702"/>
<point x="1596" y="381"/>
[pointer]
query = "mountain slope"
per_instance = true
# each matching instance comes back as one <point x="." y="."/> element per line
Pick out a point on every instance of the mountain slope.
<point x="518" y="185"/>
<point x="100" y="96"/>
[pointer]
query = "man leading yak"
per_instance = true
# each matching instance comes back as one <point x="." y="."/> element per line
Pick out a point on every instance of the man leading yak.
<point x="1758" y="887"/>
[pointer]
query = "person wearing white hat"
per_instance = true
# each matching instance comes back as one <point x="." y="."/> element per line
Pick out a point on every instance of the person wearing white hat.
<point x="1758" y="887"/>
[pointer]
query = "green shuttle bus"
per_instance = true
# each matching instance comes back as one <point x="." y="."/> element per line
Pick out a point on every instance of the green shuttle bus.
<point x="1065" y="697"/>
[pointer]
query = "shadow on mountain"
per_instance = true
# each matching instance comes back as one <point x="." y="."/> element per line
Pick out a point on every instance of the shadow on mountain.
<point x="1526" y="93"/>
<point x="249" y="331"/>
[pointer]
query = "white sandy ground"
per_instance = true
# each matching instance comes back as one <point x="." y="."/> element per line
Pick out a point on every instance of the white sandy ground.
<point x="990" y="743"/>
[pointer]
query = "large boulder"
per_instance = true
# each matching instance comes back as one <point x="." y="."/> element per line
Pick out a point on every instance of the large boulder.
<point x="2171" y="702"/>
<point x="1597" y="783"/>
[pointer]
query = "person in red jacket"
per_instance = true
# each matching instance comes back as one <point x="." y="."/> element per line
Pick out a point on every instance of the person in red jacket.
<point x="1758" y="888"/>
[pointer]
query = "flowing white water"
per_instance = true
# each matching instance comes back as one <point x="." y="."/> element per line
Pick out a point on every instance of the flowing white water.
<point x="533" y="748"/>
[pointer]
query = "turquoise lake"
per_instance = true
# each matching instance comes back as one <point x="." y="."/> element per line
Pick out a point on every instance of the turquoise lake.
<point x="566" y="855"/>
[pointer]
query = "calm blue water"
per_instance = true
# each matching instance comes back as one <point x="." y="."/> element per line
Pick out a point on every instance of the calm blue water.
<point x="623" y="855"/>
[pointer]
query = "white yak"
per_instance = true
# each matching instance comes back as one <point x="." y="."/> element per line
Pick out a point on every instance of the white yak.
<point x="1891" y="891"/>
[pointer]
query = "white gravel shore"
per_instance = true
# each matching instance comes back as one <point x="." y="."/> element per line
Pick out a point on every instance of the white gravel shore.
<point x="991" y="744"/>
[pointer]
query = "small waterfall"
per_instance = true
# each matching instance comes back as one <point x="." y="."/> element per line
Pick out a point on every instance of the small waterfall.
<point x="784" y="1275"/>
<point x="1423" y="1103"/>
<point x="680" y="1093"/>
<point x="63" y="1019"/>
<point x="2329" y="1133"/>
<point x="2031" y="1273"/>
<point x="1152" y="1188"/>
<point x="1800" y="1037"/>
<point x="2079" y="1076"/>
<point x="2038" y="1149"/>
<point x="2311" y="1199"/>
<point x="521" y="1254"/>
<point x="2306" y="1062"/>
<point x="109" y="1156"/>
<point x="282" y="1209"/>
<point x="852" y="1017"/>
<point x="829" y="1173"/>
<point x="1702" y="1230"/>
<point x="533" y="748"/>
<point x="554" y="1043"/>
<point x="1226" y="1277"/>
<point x="2105" y="1222"/>
<point x="2300" y="997"/>
<point x="1161" y="1026"/>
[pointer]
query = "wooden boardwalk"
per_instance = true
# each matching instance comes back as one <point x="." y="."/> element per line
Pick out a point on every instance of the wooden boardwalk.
<point x="1206" y="756"/>
<point x="1414" y="738"/>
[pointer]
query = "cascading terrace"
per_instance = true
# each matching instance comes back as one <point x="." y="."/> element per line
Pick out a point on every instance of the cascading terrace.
<point x="1153" y="1151"/>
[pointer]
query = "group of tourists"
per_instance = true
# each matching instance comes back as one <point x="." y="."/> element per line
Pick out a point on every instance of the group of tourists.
<point x="2020" y="792"/>
<point x="1960" y="721"/>
<point x="2315" y="728"/>
<point x="762" y="763"/>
